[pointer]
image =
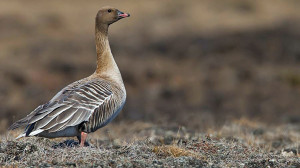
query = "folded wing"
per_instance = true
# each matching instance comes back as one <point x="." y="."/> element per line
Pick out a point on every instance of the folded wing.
<point x="70" y="107"/>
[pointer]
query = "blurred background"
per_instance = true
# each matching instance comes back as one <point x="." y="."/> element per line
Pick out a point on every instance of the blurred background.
<point x="197" y="64"/>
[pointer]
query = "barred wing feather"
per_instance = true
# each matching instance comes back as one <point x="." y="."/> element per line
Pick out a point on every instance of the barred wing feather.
<point x="71" y="106"/>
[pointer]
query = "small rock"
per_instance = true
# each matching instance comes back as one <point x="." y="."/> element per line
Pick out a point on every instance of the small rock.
<point x="17" y="158"/>
<point x="258" y="131"/>
<point x="289" y="152"/>
<point x="71" y="164"/>
<point x="112" y="162"/>
<point x="231" y="139"/>
<point x="276" y="144"/>
<point x="54" y="162"/>
<point x="168" y="140"/>
<point x="46" y="165"/>
<point x="156" y="162"/>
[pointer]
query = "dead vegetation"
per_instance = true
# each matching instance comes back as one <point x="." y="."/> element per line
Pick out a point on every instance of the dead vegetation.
<point x="173" y="151"/>
<point x="234" y="145"/>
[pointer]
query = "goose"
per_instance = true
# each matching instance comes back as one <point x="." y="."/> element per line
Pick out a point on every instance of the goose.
<point x="88" y="104"/>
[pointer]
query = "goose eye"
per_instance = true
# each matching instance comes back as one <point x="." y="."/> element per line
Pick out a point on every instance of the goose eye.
<point x="109" y="10"/>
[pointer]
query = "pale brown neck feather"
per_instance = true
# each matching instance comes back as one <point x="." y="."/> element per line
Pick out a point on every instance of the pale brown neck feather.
<point x="106" y="65"/>
<point x="104" y="55"/>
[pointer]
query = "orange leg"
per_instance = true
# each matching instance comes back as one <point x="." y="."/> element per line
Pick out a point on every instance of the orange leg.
<point x="83" y="138"/>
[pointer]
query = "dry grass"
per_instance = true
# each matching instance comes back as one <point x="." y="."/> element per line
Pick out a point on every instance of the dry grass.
<point x="245" y="122"/>
<point x="174" y="151"/>
<point x="234" y="145"/>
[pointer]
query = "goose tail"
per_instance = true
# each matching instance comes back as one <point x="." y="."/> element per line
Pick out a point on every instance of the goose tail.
<point x="19" y="123"/>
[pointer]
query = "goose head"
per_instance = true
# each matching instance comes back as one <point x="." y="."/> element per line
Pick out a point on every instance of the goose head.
<point x="108" y="15"/>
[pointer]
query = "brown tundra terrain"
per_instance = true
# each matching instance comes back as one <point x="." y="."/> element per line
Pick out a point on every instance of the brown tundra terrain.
<point x="209" y="83"/>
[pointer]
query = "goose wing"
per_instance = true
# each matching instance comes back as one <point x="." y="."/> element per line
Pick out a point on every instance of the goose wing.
<point x="69" y="107"/>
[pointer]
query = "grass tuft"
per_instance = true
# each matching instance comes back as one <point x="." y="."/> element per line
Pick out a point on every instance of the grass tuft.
<point x="174" y="151"/>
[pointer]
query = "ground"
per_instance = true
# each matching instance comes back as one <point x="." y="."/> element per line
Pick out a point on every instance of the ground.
<point x="242" y="143"/>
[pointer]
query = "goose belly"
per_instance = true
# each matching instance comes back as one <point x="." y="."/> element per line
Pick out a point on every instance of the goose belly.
<point x="68" y="132"/>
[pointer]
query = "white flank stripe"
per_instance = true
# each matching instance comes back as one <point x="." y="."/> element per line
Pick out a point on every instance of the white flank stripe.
<point x="21" y="135"/>
<point x="33" y="133"/>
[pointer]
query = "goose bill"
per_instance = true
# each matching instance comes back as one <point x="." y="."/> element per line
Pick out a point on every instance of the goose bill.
<point x="122" y="15"/>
